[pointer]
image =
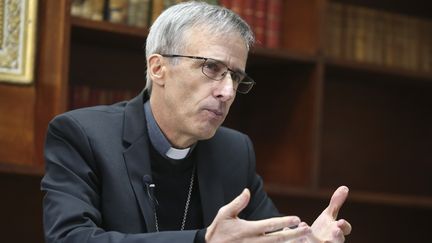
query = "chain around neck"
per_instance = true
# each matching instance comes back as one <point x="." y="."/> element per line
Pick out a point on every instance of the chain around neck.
<point x="187" y="203"/>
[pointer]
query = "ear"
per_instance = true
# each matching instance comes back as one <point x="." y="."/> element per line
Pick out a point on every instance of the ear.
<point x="156" y="69"/>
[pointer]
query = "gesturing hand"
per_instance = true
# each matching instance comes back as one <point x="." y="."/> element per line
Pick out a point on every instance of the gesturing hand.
<point x="227" y="227"/>
<point x="326" y="228"/>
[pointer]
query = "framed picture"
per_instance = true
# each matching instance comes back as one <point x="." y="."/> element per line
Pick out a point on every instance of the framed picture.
<point x="17" y="40"/>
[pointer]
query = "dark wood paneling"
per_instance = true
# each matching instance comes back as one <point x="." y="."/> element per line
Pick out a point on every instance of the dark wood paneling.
<point x="108" y="67"/>
<point x="52" y="68"/>
<point x="372" y="223"/>
<point x="413" y="7"/>
<point x="377" y="135"/>
<point x="16" y="124"/>
<point x="20" y="209"/>
<point x="301" y="25"/>
<point x="279" y="115"/>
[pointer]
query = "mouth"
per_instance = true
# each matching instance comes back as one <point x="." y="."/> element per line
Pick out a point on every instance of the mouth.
<point x="215" y="113"/>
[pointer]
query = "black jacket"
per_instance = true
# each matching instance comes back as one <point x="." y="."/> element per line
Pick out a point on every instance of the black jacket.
<point x="95" y="162"/>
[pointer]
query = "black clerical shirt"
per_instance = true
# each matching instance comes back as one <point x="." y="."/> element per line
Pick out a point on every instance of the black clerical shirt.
<point x="172" y="180"/>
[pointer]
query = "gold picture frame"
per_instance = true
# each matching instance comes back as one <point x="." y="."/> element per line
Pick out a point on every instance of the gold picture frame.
<point x="17" y="40"/>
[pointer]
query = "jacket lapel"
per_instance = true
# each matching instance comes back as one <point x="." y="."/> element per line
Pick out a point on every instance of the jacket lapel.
<point x="137" y="161"/>
<point x="136" y="156"/>
<point x="211" y="190"/>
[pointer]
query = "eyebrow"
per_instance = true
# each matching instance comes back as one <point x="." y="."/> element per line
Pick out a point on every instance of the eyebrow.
<point x="237" y="70"/>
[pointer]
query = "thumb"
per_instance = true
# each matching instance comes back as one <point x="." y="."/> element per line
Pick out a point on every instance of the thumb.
<point x="232" y="209"/>
<point x="337" y="200"/>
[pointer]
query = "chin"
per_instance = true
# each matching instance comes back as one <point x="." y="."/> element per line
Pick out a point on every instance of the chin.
<point x="207" y="133"/>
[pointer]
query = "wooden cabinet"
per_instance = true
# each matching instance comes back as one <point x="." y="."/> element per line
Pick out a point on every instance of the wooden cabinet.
<point x="316" y="121"/>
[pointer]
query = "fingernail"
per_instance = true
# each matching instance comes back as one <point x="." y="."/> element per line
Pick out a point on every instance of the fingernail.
<point x="242" y="194"/>
<point x="302" y="224"/>
<point x="296" y="220"/>
<point x="305" y="229"/>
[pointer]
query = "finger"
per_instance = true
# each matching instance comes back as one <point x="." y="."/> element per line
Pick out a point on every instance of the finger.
<point x="345" y="226"/>
<point x="232" y="209"/>
<point x="272" y="224"/>
<point x="337" y="200"/>
<point x="302" y="224"/>
<point x="338" y="236"/>
<point x="285" y="235"/>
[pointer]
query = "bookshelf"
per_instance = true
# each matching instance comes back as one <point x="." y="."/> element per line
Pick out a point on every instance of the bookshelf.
<point x="317" y="120"/>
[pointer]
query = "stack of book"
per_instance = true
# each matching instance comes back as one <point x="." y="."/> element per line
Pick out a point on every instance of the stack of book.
<point x="139" y="13"/>
<point x="379" y="37"/>
<point x="264" y="17"/>
<point x="82" y="95"/>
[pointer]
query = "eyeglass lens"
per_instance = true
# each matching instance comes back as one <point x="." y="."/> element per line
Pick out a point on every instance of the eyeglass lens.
<point x="216" y="70"/>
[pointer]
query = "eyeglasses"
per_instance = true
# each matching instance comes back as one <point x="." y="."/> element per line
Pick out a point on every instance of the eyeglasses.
<point x="217" y="70"/>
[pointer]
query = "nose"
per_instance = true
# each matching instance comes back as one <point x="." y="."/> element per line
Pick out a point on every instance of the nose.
<point x="225" y="88"/>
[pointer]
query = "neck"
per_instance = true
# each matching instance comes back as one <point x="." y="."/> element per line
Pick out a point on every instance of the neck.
<point x="162" y="117"/>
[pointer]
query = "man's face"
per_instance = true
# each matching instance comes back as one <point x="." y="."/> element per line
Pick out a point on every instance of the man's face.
<point x="194" y="106"/>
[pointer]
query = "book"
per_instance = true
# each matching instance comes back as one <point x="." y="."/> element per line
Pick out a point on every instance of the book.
<point x="333" y="30"/>
<point x="156" y="9"/>
<point x="139" y="13"/>
<point x="225" y="3"/>
<point x="237" y="6"/>
<point x="273" y="23"/>
<point x="117" y="11"/>
<point x="248" y="12"/>
<point x="260" y="14"/>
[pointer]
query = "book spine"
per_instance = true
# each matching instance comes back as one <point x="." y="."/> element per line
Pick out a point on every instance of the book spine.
<point x="118" y="11"/>
<point x="225" y="3"/>
<point x="157" y="8"/>
<point x="260" y="13"/>
<point x="138" y="13"/>
<point x="377" y="49"/>
<point x="359" y="34"/>
<point x="333" y="30"/>
<point x="248" y="12"/>
<point x="369" y="24"/>
<point x="350" y="16"/>
<point x="237" y="6"/>
<point x="273" y="25"/>
<point x="387" y="39"/>
<point x="77" y="7"/>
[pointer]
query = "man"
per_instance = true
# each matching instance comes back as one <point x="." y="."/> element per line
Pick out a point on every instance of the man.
<point x="159" y="168"/>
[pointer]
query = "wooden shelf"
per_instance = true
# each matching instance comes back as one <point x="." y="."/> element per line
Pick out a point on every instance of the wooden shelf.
<point x="282" y="55"/>
<point x="354" y="196"/>
<point x="108" y="27"/>
<point x="121" y="35"/>
<point x="7" y="168"/>
<point x="106" y="33"/>
<point x="366" y="69"/>
<point x="413" y="7"/>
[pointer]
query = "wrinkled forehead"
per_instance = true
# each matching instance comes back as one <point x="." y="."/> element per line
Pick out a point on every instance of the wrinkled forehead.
<point x="203" y="34"/>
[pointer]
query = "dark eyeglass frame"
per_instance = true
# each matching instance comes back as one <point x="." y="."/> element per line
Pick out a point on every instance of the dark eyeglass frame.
<point x="248" y="84"/>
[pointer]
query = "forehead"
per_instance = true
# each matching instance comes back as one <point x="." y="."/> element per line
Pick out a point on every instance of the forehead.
<point x="226" y="47"/>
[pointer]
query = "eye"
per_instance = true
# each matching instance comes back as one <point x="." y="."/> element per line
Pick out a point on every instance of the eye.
<point x="213" y="67"/>
<point x="236" y="77"/>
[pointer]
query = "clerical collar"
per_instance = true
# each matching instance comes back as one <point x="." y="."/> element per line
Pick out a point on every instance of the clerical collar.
<point x="158" y="139"/>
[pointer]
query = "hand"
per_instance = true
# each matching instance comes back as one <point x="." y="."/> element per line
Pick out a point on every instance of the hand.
<point x="326" y="228"/>
<point x="227" y="227"/>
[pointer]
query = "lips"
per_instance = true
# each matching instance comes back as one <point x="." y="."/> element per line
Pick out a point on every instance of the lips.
<point x="216" y="112"/>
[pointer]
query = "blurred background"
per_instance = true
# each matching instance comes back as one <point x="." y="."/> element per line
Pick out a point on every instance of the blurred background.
<point x="343" y="97"/>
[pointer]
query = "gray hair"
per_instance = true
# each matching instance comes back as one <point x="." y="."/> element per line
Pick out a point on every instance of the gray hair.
<point x="166" y="35"/>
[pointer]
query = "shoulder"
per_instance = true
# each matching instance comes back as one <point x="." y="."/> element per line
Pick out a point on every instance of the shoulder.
<point x="230" y="143"/>
<point x="96" y="123"/>
<point x="230" y="136"/>
<point x="92" y="116"/>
